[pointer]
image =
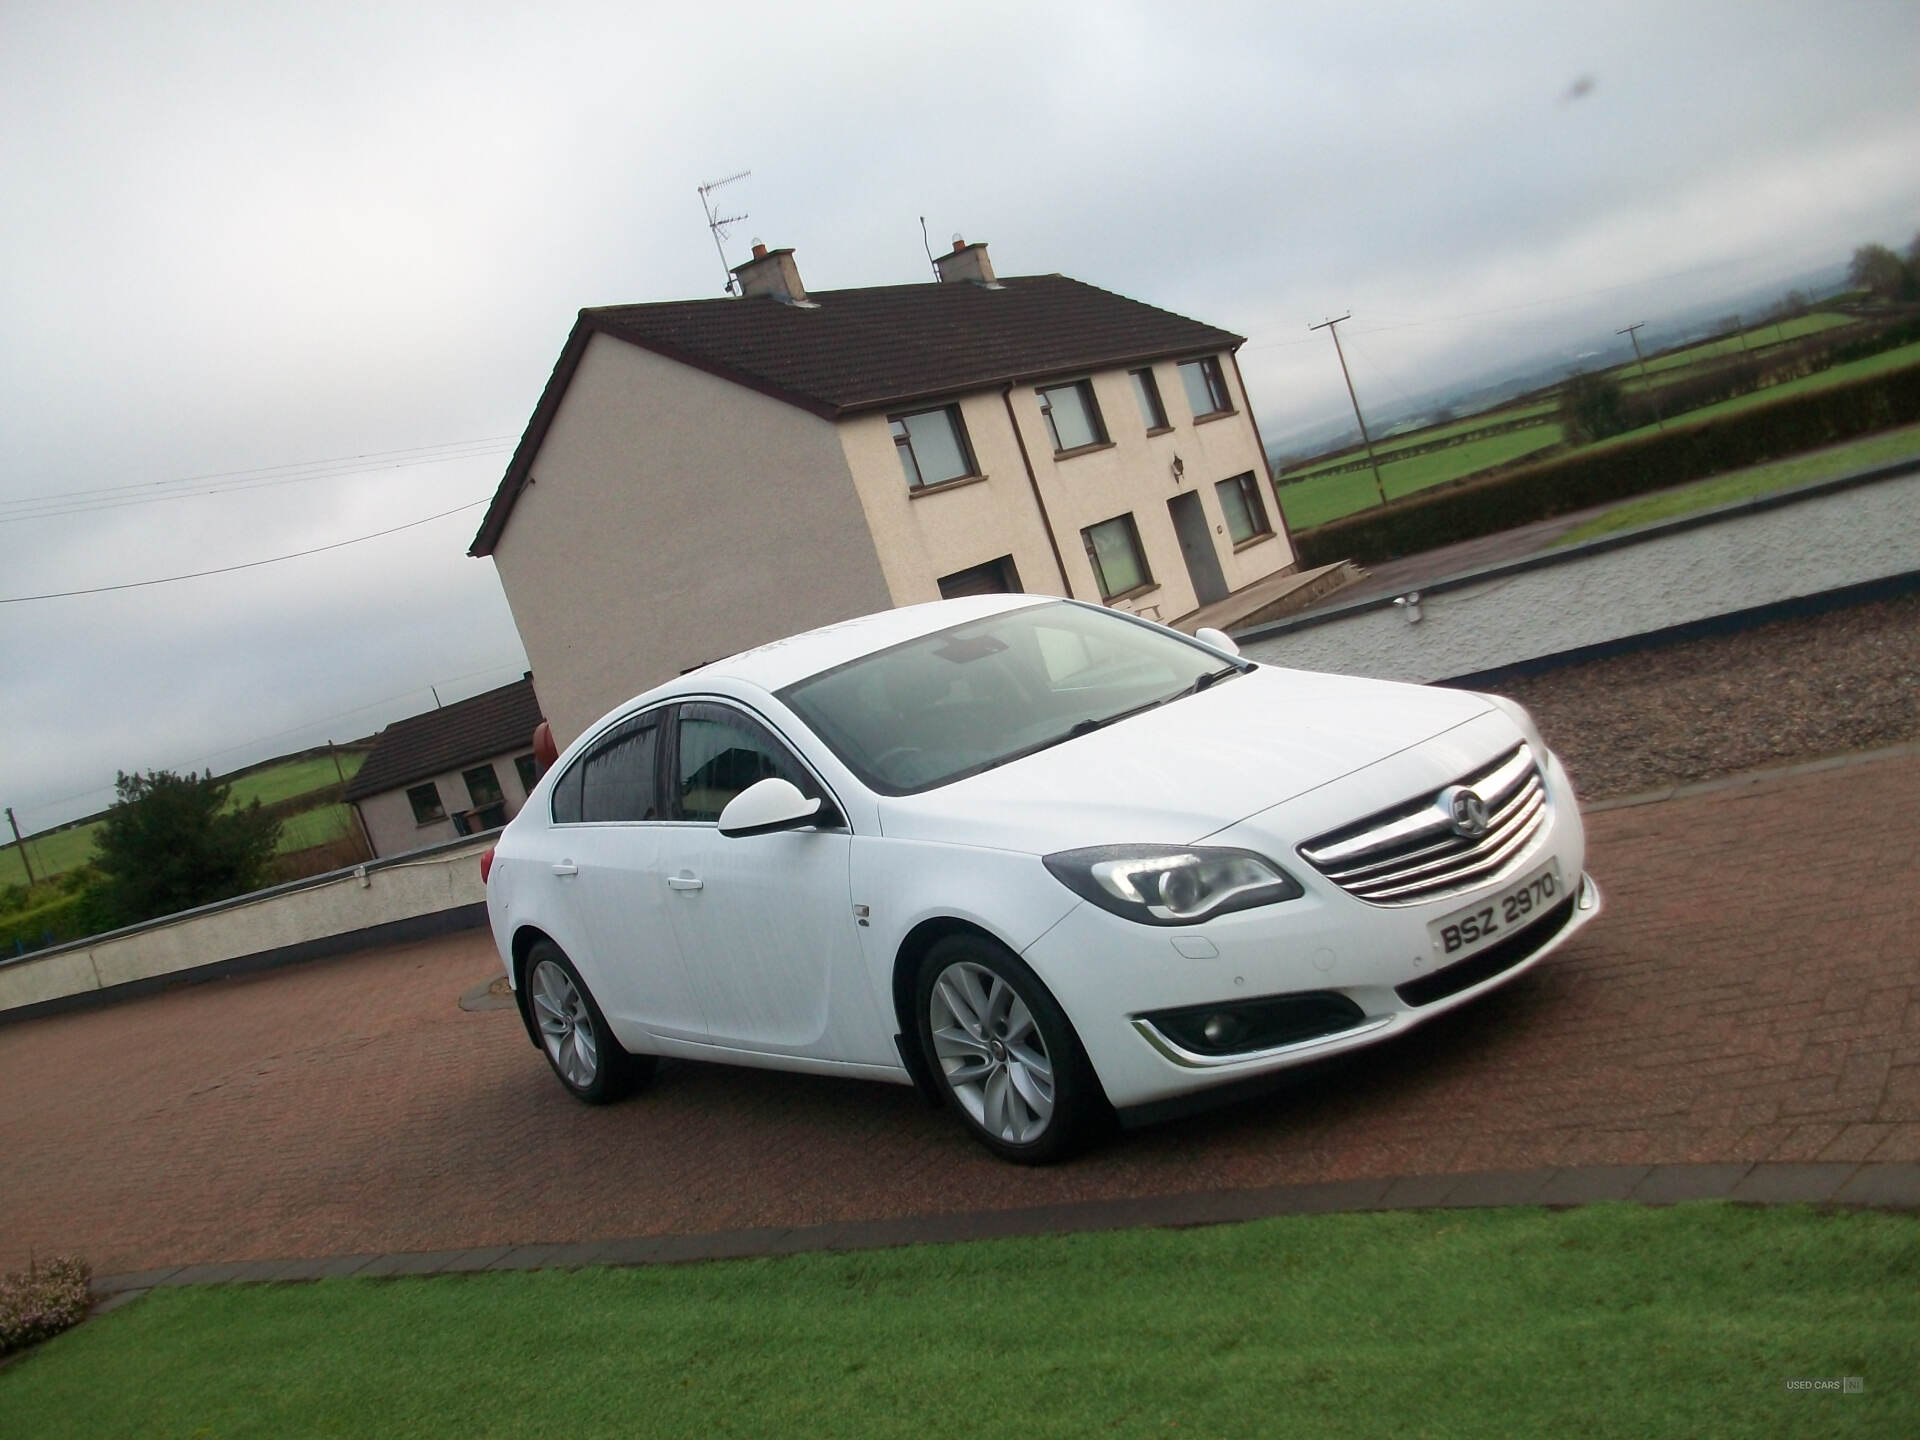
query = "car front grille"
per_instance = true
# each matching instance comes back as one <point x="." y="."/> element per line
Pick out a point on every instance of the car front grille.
<point x="1414" y="852"/>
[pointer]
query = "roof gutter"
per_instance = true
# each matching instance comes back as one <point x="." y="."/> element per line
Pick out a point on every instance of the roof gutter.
<point x="1033" y="484"/>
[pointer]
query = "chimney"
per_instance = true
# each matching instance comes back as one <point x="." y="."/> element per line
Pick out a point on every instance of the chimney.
<point x="772" y="272"/>
<point x="967" y="262"/>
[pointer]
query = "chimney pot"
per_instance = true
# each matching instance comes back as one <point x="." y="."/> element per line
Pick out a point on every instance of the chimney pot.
<point x="958" y="244"/>
<point x="759" y="251"/>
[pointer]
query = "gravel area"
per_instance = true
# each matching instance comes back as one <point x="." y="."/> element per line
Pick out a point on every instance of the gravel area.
<point x="1787" y="691"/>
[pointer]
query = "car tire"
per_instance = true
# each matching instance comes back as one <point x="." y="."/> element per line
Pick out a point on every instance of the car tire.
<point x="1002" y="1053"/>
<point x="574" y="1035"/>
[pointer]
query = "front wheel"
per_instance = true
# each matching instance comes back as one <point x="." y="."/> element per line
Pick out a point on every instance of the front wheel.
<point x="1003" y="1053"/>
<point x="573" y="1033"/>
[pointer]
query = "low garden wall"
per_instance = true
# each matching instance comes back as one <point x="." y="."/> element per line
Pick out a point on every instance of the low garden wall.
<point x="406" y="897"/>
<point x="1779" y="550"/>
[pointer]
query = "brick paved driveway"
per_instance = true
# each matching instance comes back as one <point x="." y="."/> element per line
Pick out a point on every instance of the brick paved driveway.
<point x="1751" y="995"/>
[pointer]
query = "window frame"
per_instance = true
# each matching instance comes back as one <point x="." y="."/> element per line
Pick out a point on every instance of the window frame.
<point x="832" y="817"/>
<point x="527" y="768"/>
<point x="574" y="775"/>
<point x="439" y="811"/>
<point x="1213" y="380"/>
<point x="1146" y="394"/>
<point x="1139" y="551"/>
<point x="1248" y="484"/>
<point x="474" y="802"/>
<point x="1096" y="422"/>
<point x="910" y="467"/>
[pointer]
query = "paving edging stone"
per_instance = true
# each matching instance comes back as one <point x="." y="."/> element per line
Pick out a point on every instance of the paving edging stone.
<point x="1882" y="1186"/>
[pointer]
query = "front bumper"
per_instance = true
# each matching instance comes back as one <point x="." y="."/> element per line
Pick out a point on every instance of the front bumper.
<point x="1339" y="956"/>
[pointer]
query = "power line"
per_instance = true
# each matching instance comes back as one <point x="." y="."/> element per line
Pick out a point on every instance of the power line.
<point x="107" y="497"/>
<point x="247" y="565"/>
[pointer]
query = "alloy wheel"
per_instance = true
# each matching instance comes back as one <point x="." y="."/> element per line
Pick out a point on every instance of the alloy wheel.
<point x="566" y="1027"/>
<point x="991" y="1052"/>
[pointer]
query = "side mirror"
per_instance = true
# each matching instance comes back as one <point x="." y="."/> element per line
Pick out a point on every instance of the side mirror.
<point x="769" y="805"/>
<point x="1218" y="639"/>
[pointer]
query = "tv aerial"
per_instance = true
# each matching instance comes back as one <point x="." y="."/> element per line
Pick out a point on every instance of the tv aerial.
<point x="719" y="224"/>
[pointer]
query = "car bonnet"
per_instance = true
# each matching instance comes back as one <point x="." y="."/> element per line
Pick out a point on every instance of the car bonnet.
<point x="1187" y="768"/>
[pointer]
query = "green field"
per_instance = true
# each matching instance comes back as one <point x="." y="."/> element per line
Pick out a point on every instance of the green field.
<point x="1608" y="1320"/>
<point x="1727" y="346"/>
<point x="1881" y="449"/>
<point x="315" y="827"/>
<point x="1310" y="498"/>
<point x="296" y="777"/>
<point x="65" y="850"/>
<point x="1880" y="364"/>
<point x="1542" y="410"/>
<point x="1314" y="501"/>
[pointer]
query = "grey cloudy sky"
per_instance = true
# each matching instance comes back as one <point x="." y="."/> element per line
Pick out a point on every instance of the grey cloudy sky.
<point x="239" y="239"/>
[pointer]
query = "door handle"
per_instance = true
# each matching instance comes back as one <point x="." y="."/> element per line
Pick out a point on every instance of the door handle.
<point x="566" y="867"/>
<point x="684" y="882"/>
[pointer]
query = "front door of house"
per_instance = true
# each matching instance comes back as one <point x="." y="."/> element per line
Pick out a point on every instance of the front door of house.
<point x="1196" y="544"/>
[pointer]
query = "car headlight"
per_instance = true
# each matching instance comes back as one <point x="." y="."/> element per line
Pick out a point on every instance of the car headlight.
<point x="1171" y="884"/>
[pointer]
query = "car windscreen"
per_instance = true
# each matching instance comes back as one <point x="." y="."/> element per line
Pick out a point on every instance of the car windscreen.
<point x="979" y="694"/>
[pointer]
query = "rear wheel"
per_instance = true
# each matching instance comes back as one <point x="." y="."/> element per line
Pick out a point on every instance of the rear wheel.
<point x="573" y="1033"/>
<point x="1002" y="1052"/>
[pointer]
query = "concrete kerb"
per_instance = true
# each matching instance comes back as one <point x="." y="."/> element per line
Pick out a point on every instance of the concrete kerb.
<point x="1866" y="1186"/>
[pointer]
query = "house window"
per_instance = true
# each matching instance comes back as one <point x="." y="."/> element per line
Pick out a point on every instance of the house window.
<point x="1147" y="391"/>
<point x="933" y="446"/>
<point x="1118" y="562"/>
<point x="425" y="800"/>
<point x="1073" y="419"/>
<point x="529" y="769"/>
<point x="483" y="786"/>
<point x="996" y="577"/>
<point x="1240" y="502"/>
<point x="1206" y="387"/>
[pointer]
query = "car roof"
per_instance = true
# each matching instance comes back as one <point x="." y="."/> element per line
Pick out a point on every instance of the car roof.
<point x="780" y="663"/>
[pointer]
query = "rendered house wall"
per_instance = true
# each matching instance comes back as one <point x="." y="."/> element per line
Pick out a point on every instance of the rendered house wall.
<point x="921" y="537"/>
<point x="674" y="518"/>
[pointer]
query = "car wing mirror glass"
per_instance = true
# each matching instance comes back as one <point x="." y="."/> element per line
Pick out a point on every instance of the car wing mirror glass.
<point x="769" y="805"/>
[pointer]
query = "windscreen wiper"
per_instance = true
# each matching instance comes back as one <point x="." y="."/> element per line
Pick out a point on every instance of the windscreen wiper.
<point x="1233" y="667"/>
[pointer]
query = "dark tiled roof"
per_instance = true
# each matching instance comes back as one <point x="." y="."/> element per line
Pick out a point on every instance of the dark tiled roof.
<point x="875" y="348"/>
<point x="450" y="738"/>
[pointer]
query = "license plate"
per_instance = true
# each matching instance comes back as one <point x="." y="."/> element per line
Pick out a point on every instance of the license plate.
<point x="1492" y="919"/>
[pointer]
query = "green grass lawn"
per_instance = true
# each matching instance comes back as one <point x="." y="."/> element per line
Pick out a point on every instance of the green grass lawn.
<point x="1880" y="449"/>
<point x="1315" y="501"/>
<point x="1611" y="1320"/>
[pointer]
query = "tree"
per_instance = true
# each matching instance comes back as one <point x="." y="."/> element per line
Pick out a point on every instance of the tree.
<point x="1592" y="407"/>
<point x="170" y="843"/>
<point x="1877" y="270"/>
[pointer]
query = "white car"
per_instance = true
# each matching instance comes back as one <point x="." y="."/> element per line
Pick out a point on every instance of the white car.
<point x="1046" y="860"/>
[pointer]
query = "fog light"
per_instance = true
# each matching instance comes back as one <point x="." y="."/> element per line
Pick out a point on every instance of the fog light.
<point x="1240" y="1027"/>
<point x="1221" y="1030"/>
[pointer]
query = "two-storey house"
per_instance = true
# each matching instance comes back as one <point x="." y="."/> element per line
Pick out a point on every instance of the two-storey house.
<point x="703" y="476"/>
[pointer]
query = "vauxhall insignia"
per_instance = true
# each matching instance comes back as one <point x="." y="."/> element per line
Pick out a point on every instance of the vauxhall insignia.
<point x="1466" y="810"/>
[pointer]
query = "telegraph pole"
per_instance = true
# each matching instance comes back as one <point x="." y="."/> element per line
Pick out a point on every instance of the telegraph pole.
<point x="1366" y="439"/>
<point x="1632" y="333"/>
<point x="21" y="846"/>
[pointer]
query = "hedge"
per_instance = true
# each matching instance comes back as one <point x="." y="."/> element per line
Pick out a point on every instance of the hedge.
<point x="54" y="923"/>
<point x="1472" y="508"/>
